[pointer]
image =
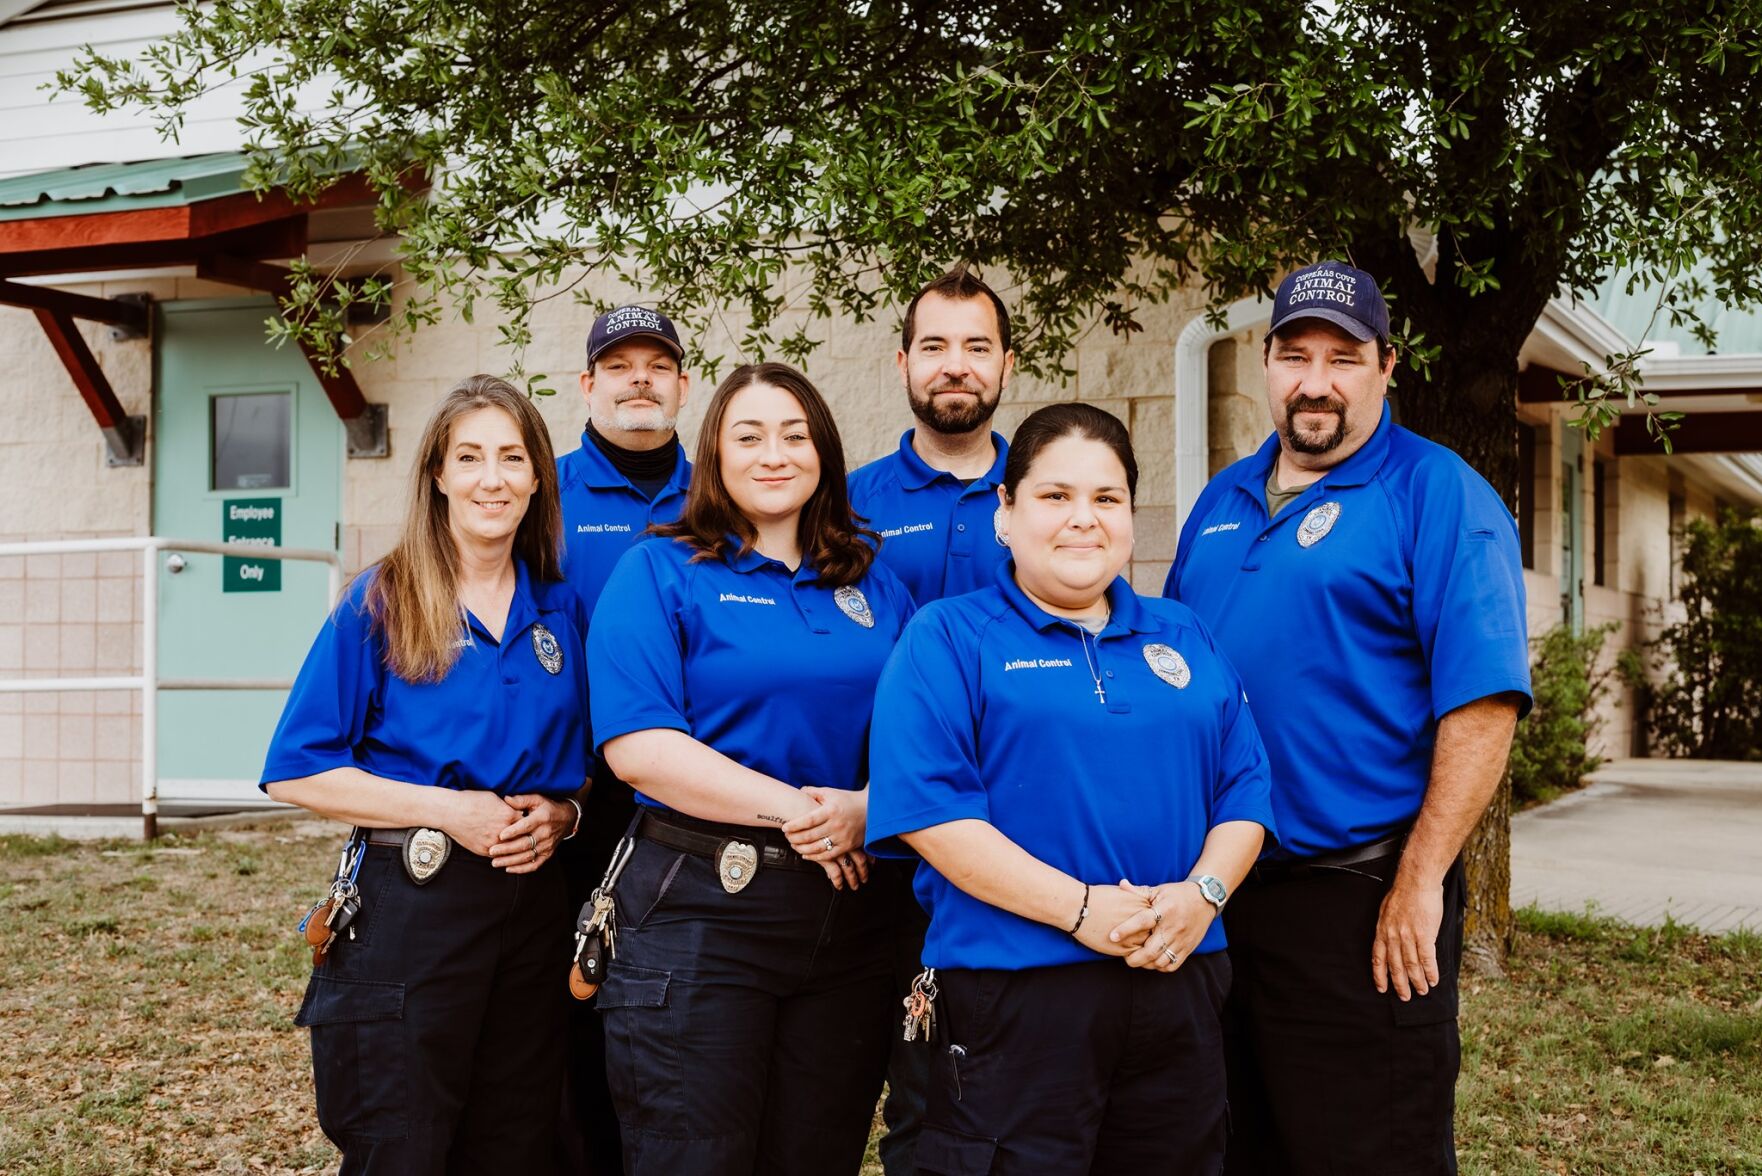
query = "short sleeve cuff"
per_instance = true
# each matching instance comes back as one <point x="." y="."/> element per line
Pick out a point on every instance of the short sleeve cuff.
<point x="1461" y="696"/>
<point x="604" y="732"/>
<point x="883" y="836"/>
<point x="299" y="767"/>
<point x="1255" y="814"/>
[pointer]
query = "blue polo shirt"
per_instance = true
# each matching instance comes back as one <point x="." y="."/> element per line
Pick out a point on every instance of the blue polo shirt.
<point x="502" y="720"/>
<point x="765" y="665"/>
<point x="603" y="514"/>
<point x="1387" y="595"/>
<point x="936" y="533"/>
<point x="988" y="710"/>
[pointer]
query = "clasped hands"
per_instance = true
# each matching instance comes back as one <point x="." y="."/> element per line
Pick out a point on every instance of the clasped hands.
<point x="516" y="833"/>
<point x="1154" y="927"/>
<point x="830" y="833"/>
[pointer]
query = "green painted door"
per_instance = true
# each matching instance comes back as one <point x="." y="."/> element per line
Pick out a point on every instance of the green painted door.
<point x="247" y="449"/>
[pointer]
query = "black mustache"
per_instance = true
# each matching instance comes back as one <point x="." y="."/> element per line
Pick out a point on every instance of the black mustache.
<point x="1315" y="404"/>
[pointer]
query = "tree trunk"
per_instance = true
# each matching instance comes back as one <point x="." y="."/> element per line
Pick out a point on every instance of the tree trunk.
<point x="1470" y="405"/>
<point x="1488" y="932"/>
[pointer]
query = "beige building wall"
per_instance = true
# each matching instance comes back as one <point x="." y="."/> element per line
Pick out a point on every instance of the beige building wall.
<point x="67" y="615"/>
<point x="79" y="615"/>
<point x="853" y="366"/>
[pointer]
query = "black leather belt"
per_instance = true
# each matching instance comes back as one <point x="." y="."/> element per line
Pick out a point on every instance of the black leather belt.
<point x="706" y="839"/>
<point x="393" y="837"/>
<point x="1357" y="855"/>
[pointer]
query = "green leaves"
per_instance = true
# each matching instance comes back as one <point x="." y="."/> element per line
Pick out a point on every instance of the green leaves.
<point x="772" y="162"/>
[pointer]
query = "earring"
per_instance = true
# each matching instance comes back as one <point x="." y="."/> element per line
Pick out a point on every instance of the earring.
<point x="997" y="531"/>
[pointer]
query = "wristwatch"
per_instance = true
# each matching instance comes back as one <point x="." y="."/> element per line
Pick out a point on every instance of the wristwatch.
<point x="1216" y="893"/>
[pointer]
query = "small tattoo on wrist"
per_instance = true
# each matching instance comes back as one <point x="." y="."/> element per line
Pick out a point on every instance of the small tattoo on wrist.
<point x="773" y="820"/>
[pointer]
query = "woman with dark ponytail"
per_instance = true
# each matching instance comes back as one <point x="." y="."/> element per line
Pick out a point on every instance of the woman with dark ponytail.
<point x="1076" y="766"/>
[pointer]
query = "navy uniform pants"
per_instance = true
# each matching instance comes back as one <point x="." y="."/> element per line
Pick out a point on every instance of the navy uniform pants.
<point x="908" y="1064"/>
<point x="745" y="1033"/>
<point x="1083" y="1068"/>
<point x="437" y="1032"/>
<point x="1329" y="1077"/>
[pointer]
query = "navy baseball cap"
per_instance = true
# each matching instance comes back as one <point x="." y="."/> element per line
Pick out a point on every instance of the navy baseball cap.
<point x="1336" y="293"/>
<point x="631" y="322"/>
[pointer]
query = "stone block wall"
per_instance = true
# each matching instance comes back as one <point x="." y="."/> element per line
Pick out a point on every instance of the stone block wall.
<point x="68" y="615"/>
<point x="853" y="365"/>
<point x="79" y="615"/>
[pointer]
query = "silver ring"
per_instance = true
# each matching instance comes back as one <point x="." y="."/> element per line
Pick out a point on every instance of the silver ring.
<point x="533" y="841"/>
<point x="1173" y="957"/>
<point x="535" y="853"/>
<point x="830" y="845"/>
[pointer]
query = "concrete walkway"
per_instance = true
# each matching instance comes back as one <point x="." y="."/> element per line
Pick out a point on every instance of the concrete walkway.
<point x="1646" y="838"/>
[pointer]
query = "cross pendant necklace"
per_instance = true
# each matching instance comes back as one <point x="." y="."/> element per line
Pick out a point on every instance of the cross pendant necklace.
<point x="1094" y="671"/>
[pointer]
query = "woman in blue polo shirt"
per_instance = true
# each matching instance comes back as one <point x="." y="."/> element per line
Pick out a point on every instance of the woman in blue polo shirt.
<point x="443" y="712"/>
<point x="734" y="659"/>
<point x="1077" y="767"/>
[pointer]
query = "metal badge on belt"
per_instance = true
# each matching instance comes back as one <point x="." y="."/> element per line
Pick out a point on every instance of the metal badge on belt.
<point x="736" y="863"/>
<point x="425" y="852"/>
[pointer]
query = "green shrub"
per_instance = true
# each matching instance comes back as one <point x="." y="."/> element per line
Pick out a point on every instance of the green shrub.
<point x="1550" y="753"/>
<point x="1705" y="692"/>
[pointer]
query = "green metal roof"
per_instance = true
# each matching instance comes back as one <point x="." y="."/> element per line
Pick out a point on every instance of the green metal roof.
<point x="1738" y="332"/>
<point x="115" y="187"/>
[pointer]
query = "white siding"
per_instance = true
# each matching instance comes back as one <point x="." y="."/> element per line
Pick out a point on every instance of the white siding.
<point x="40" y="133"/>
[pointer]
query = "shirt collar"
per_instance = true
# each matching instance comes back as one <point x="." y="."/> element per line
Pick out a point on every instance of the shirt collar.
<point x="1126" y="613"/>
<point x="916" y="473"/>
<point x="523" y="609"/>
<point x="1363" y="465"/>
<point x="589" y="467"/>
<point x="752" y="560"/>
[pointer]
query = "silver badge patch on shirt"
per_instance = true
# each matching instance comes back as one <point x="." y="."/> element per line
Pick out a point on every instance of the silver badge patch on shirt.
<point x="1317" y="523"/>
<point x="736" y="863"/>
<point x="425" y="852"/>
<point x="548" y="649"/>
<point x="853" y="604"/>
<point x="1168" y="665"/>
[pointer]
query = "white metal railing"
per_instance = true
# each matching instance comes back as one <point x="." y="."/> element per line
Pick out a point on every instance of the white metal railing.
<point x="148" y="681"/>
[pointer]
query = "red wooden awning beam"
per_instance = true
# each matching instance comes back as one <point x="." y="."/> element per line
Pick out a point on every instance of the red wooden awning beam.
<point x="132" y="314"/>
<point x="122" y="434"/>
<point x="345" y="394"/>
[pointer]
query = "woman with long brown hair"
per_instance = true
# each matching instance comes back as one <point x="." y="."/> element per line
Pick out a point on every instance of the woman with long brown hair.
<point x="442" y="712"/>
<point x="734" y="658"/>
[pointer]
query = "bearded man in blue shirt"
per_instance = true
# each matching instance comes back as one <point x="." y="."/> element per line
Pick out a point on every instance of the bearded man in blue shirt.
<point x="1367" y="586"/>
<point x="933" y="502"/>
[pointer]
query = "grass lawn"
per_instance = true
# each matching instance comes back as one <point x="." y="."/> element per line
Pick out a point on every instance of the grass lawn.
<point x="145" y="1024"/>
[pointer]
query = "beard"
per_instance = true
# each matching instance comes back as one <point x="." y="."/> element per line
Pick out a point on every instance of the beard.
<point x="1314" y="442"/>
<point x="654" y="419"/>
<point x="952" y="416"/>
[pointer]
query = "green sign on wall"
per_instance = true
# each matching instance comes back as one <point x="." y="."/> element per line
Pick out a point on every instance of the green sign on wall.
<point x="256" y="521"/>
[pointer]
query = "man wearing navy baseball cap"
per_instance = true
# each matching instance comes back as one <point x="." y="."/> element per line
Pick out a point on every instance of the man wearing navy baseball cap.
<point x="629" y="472"/>
<point x="1366" y="584"/>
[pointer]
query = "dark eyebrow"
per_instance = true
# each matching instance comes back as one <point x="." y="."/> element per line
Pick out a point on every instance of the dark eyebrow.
<point x="761" y="424"/>
<point x="1068" y="486"/>
<point x="992" y="339"/>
